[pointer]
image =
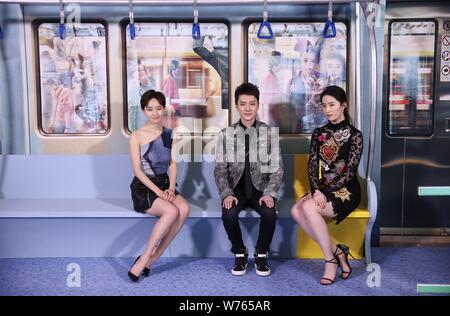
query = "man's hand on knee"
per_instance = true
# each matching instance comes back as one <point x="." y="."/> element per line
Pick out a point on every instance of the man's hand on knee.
<point x="228" y="201"/>
<point x="268" y="200"/>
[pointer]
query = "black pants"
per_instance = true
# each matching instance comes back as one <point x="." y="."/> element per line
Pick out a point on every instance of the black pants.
<point x="267" y="224"/>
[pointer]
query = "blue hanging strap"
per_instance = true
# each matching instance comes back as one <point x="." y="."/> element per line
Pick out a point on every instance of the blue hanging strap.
<point x="269" y="28"/>
<point x="329" y="23"/>
<point x="196" y="31"/>
<point x="196" y="34"/>
<point x="132" y="31"/>
<point x="62" y="31"/>
<point x="264" y="24"/>
<point x="62" y="26"/>
<point x="1" y="32"/>
<point x="132" y="27"/>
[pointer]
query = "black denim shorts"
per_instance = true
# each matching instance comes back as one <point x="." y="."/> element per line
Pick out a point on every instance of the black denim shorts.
<point x="142" y="196"/>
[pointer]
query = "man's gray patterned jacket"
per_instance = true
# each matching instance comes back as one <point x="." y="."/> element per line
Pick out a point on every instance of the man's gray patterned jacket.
<point x="266" y="165"/>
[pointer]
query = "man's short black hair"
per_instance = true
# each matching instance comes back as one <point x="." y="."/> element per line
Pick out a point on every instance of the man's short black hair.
<point x="152" y="94"/>
<point x="248" y="89"/>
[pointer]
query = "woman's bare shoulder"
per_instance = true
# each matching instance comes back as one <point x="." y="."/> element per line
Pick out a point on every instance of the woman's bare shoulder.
<point x="136" y="135"/>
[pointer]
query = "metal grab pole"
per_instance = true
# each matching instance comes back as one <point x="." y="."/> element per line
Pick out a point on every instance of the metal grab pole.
<point x="371" y="188"/>
<point x="373" y="102"/>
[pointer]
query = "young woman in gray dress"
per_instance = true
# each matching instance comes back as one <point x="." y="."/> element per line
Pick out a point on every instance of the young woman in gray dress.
<point x="153" y="187"/>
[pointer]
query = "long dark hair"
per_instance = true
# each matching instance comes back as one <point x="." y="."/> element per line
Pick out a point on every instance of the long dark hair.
<point x="339" y="94"/>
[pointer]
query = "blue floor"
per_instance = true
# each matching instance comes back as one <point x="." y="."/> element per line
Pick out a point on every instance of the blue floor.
<point x="401" y="270"/>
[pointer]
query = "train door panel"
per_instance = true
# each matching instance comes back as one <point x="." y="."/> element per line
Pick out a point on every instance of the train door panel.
<point x="415" y="138"/>
<point x="392" y="182"/>
<point x="428" y="170"/>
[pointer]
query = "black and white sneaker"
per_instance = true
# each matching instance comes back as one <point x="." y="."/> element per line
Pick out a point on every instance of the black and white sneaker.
<point x="240" y="264"/>
<point x="262" y="269"/>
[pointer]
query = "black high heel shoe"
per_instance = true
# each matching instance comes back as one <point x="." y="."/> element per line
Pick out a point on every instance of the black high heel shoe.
<point x="146" y="271"/>
<point x="334" y="261"/>
<point x="133" y="277"/>
<point x="346" y="251"/>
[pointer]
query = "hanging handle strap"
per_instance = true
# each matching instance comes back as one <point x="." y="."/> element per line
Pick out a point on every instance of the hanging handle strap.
<point x="62" y="25"/>
<point x="196" y="34"/>
<point x="1" y="32"/>
<point x="131" y="15"/>
<point x="329" y="23"/>
<point x="265" y="24"/>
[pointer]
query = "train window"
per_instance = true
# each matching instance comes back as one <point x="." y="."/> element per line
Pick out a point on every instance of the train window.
<point x="192" y="74"/>
<point x="73" y="79"/>
<point x="292" y="69"/>
<point x="411" y="78"/>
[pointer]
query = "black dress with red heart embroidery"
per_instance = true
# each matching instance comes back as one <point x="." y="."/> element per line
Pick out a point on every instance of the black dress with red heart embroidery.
<point x="337" y="150"/>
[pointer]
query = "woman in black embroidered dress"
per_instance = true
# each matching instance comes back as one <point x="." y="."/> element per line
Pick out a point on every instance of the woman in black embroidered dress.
<point x="336" y="149"/>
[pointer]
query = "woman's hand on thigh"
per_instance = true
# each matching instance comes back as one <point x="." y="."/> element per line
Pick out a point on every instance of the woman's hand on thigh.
<point x="320" y="199"/>
<point x="170" y="195"/>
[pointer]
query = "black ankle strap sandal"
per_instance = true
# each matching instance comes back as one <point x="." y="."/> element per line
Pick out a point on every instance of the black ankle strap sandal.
<point x="334" y="261"/>
<point x="346" y="251"/>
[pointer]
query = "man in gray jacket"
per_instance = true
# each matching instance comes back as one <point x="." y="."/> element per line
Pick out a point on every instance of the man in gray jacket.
<point x="249" y="172"/>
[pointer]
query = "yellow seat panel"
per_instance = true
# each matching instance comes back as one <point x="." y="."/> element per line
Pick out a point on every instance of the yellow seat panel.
<point x="351" y="231"/>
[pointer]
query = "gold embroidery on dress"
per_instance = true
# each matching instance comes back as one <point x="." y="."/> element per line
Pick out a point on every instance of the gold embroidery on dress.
<point x="343" y="194"/>
<point x="329" y="150"/>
